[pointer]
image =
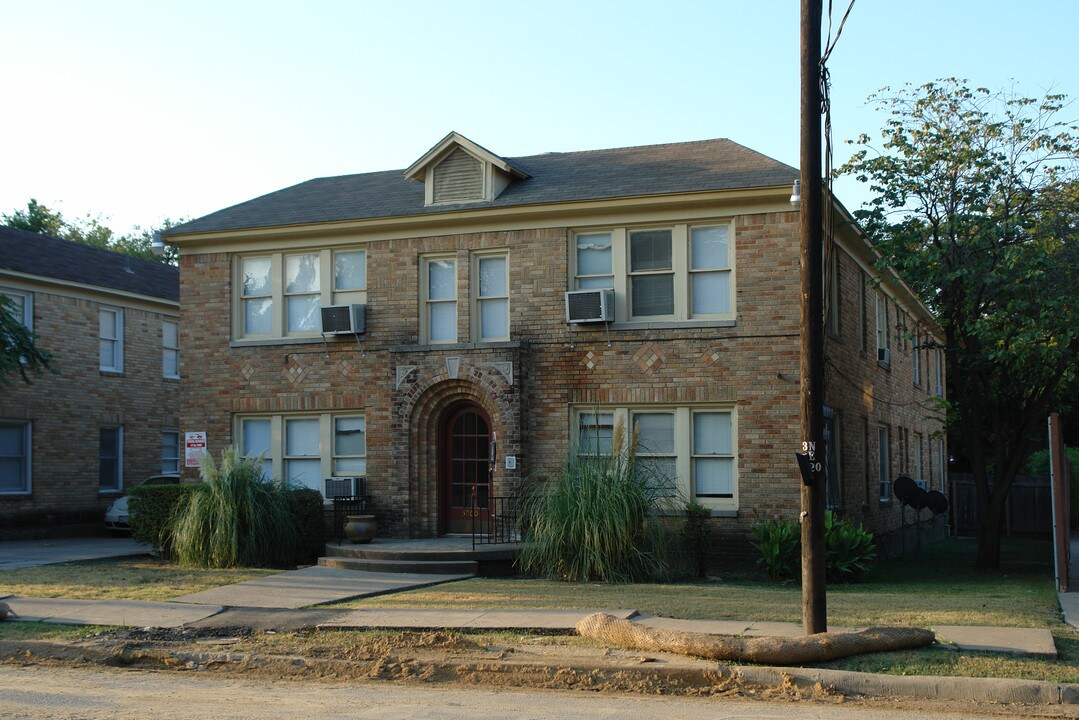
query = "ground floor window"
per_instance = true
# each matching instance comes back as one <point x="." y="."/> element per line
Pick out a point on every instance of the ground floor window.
<point x="14" y="458"/>
<point x="305" y="449"/>
<point x="884" y="463"/>
<point x="691" y="450"/>
<point x="170" y="452"/>
<point x="110" y="474"/>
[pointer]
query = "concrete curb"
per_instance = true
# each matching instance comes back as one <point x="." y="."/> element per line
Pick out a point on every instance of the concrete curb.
<point x="995" y="690"/>
<point x="869" y="685"/>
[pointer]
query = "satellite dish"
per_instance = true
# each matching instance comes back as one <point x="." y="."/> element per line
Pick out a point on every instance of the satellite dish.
<point x="905" y="489"/>
<point x="936" y="502"/>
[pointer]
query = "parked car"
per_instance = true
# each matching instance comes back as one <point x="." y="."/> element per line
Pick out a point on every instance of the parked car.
<point x="116" y="514"/>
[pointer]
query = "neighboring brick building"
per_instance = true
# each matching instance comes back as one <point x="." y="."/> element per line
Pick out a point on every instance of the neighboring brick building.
<point x="463" y="261"/>
<point x="71" y="442"/>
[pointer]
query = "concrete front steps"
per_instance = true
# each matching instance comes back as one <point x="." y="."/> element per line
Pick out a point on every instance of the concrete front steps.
<point x="437" y="556"/>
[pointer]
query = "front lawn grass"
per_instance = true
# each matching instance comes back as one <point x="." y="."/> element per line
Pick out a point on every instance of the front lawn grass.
<point x="936" y="587"/>
<point x="119" y="579"/>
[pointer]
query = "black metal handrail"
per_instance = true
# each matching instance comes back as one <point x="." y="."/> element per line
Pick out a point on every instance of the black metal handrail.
<point x="497" y="522"/>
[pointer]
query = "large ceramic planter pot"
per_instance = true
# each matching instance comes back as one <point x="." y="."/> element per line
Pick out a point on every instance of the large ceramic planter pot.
<point x="361" y="529"/>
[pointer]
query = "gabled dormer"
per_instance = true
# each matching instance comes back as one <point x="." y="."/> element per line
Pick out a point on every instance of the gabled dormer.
<point x="457" y="170"/>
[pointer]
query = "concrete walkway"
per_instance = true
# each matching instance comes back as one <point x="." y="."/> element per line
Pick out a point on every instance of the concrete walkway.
<point x="315" y="585"/>
<point x="28" y="553"/>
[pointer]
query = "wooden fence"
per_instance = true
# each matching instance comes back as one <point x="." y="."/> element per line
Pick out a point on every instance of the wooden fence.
<point x="1029" y="512"/>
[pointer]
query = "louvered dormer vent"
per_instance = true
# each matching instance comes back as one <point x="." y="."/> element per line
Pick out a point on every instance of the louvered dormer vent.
<point x="458" y="178"/>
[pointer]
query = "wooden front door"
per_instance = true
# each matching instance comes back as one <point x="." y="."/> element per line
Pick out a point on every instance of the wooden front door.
<point x="464" y="469"/>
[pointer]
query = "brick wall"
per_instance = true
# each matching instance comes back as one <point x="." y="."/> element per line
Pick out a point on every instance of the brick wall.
<point x="403" y="387"/>
<point x="68" y="409"/>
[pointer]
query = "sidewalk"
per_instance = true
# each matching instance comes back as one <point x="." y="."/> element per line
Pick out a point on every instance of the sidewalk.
<point x="29" y="553"/>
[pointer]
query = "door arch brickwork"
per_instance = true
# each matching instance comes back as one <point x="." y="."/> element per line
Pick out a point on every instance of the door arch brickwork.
<point x="420" y="400"/>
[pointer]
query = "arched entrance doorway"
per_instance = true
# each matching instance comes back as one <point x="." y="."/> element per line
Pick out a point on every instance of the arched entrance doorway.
<point x="464" y="466"/>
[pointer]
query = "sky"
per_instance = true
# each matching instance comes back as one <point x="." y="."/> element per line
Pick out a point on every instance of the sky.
<point x="140" y="111"/>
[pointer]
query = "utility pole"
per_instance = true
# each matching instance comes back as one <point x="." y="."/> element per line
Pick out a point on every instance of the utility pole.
<point x="811" y="416"/>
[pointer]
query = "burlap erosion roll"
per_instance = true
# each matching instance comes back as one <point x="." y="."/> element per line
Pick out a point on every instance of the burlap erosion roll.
<point x="767" y="650"/>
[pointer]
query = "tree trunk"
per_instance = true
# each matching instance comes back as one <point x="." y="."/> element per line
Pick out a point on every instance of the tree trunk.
<point x="989" y="538"/>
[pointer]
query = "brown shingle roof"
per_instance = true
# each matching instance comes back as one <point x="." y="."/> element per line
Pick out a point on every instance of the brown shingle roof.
<point x="47" y="256"/>
<point x="555" y="177"/>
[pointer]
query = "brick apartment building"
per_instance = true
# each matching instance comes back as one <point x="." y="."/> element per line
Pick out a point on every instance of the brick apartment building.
<point x="462" y="264"/>
<point x="71" y="442"/>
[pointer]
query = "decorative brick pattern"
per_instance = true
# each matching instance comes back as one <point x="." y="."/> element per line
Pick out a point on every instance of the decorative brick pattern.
<point x="649" y="358"/>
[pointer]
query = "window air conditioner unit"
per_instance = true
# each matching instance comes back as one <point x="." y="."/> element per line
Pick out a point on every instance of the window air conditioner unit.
<point x="884" y="355"/>
<point x="340" y="487"/>
<point x="585" y="306"/>
<point x="344" y="319"/>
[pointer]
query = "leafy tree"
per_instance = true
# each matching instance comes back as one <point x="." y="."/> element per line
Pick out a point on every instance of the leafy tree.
<point x="90" y="230"/>
<point x="977" y="208"/>
<point x="18" y="352"/>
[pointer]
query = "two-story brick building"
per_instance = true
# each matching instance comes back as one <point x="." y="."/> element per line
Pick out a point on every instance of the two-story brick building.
<point x="72" y="441"/>
<point x="462" y="264"/>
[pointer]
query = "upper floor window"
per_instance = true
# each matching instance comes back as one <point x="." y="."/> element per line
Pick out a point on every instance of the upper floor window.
<point x="675" y="273"/>
<point x="492" y="297"/>
<point x="15" y="457"/>
<point x="916" y="360"/>
<point x="831" y="292"/>
<point x="884" y="342"/>
<point x="111" y="339"/>
<point x="170" y="349"/>
<point x="439" y="276"/>
<point x="594" y="261"/>
<point x="23" y="302"/>
<point x="280" y="294"/>
<point x="939" y="371"/>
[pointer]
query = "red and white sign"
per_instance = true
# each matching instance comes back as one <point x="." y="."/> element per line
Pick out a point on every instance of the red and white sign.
<point x="195" y="448"/>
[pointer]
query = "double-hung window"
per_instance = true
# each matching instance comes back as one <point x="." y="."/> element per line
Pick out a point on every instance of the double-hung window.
<point x="713" y="454"/>
<point x="677" y="273"/>
<point x="651" y="273"/>
<point x="916" y="359"/>
<point x="710" y="270"/>
<point x="349" y="446"/>
<point x="302" y="452"/>
<point x="170" y="349"/>
<point x="884" y="463"/>
<point x="884" y="342"/>
<point x="110" y="474"/>
<point x="917" y="470"/>
<point x="23" y="310"/>
<point x="594" y="265"/>
<point x="655" y="449"/>
<point x="305" y="449"/>
<point x="255" y="439"/>
<point x="689" y="450"/>
<point x="279" y="295"/>
<point x="14" y="458"/>
<point x="303" y="293"/>
<point x="492" y="314"/>
<point x="595" y="433"/>
<point x="170" y="452"/>
<point x="111" y="339"/>
<point x="440" y="300"/>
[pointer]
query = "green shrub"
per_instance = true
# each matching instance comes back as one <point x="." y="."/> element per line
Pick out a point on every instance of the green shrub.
<point x="598" y="519"/>
<point x="779" y="543"/>
<point x="697" y="535"/>
<point x="306" y="508"/>
<point x="150" y="508"/>
<point x="850" y="549"/>
<point x="241" y="520"/>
